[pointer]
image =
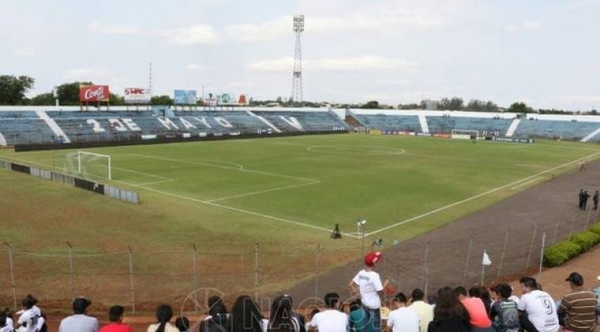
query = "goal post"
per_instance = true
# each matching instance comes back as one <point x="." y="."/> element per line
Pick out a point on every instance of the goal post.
<point x="95" y="164"/>
<point x="465" y="134"/>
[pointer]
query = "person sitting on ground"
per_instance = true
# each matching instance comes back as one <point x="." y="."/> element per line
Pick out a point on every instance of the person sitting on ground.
<point x="537" y="309"/>
<point x="578" y="307"/>
<point x="479" y="319"/>
<point x="283" y="318"/>
<point x="79" y="321"/>
<point x="115" y="316"/>
<point x="246" y="316"/>
<point x="449" y="314"/>
<point x="423" y="309"/>
<point x="31" y="317"/>
<point x="4" y="325"/>
<point x="164" y="313"/>
<point x="218" y="317"/>
<point x="183" y="324"/>
<point x="331" y="319"/>
<point x="402" y="318"/>
<point x="504" y="311"/>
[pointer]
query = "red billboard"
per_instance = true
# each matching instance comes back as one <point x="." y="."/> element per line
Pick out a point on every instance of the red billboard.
<point x="93" y="93"/>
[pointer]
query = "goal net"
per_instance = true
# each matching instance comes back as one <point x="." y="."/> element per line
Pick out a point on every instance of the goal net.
<point x="89" y="165"/>
<point x="465" y="134"/>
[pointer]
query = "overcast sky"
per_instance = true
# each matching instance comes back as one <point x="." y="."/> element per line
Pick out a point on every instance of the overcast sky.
<point x="542" y="52"/>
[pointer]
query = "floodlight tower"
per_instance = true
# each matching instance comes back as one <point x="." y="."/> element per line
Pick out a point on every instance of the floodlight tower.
<point x="297" y="73"/>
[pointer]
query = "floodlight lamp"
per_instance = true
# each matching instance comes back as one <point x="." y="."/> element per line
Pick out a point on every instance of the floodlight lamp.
<point x="362" y="222"/>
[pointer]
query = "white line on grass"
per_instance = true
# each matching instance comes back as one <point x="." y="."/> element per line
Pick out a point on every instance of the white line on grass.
<point x="262" y="191"/>
<point x="528" y="182"/>
<point x="480" y="195"/>
<point x="241" y="167"/>
<point x="228" y="207"/>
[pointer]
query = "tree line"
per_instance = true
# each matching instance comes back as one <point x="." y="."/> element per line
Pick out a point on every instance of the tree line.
<point x="13" y="90"/>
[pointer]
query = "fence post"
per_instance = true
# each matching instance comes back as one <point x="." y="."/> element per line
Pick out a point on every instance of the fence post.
<point x="542" y="255"/>
<point x="71" y="271"/>
<point x="317" y="271"/>
<point x="195" y="275"/>
<point x="12" y="275"/>
<point x="464" y="278"/>
<point x="531" y="246"/>
<point x="426" y="269"/>
<point x="256" y="272"/>
<point x="131" y="287"/>
<point x="503" y="253"/>
<point x="555" y="231"/>
<point x="587" y="222"/>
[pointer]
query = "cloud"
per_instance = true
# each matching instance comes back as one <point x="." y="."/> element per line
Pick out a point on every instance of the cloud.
<point x="378" y="19"/>
<point x="195" y="67"/>
<point x="201" y="34"/>
<point x="241" y="84"/>
<point x="581" y="99"/>
<point x="393" y="82"/>
<point x="527" y="25"/>
<point x="24" y="52"/>
<point x="247" y="33"/>
<point x="366" y="62"/>
<point x="115" y="29"/>
<point x="90" y="74"/>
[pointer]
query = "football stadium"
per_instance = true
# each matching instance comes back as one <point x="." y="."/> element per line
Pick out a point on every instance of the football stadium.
<point x="245" y="201"/>
<point x="156" y="173"/>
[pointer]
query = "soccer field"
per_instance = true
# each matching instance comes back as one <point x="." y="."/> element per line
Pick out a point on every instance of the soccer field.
<point x="207" y="207"/>
<point x="401" y="185"/>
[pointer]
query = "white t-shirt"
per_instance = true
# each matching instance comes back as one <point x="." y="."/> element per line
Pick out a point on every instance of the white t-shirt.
<point x="369" y="284"/>
<point x="424" y="311"/>
<point x="79" y="323"/>
<point x="32" y="318"/>
<point x="330" y="320"/>
<point x="541" y="310"/>
<point x="404" y="320"/>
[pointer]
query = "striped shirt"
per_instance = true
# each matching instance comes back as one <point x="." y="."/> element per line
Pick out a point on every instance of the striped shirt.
<point x="580" y="310"/>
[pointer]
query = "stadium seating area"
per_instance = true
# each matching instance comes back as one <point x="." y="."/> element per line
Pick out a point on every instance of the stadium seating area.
<point x="390" y="122"/>
<point x="556" y="129"/>
<point x="41" y="126"/>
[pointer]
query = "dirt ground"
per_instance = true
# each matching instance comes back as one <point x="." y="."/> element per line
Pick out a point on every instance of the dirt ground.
<point x="511" y="232"/>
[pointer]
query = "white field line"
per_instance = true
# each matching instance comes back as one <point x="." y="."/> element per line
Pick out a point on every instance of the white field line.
<point x="240" y="168"/>
<point x="262" y="191"/>
<point x="230" y="208"/>
<point x="480" y="195"/>
<point x="528" y="182"/>
<point x="142" y="173"/>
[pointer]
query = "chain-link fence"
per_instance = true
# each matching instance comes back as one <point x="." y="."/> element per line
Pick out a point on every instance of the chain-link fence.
<point x="140" y="279"/>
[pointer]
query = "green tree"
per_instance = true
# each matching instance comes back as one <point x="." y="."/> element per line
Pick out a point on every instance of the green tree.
<point x="161" y="100"/>
<point x="13" y="89"/>
<point x="520" y="107"/>
<point x="43" y="99"/>
<point x="68" y="93"/>
<point x="373" y="104"/>
<point x="115" y="99"/>
<point x="475" y="105"/>
<point x="451" y="104"/>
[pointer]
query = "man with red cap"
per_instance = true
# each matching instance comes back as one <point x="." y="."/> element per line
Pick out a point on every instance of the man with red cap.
<point x="368" y="284"/>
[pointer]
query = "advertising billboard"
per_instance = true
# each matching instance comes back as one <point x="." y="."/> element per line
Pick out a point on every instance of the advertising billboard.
<point x="93" y="93"/>
<point x="227" y="99"/>
<point x="185" y="97"/>
<point x="137" y="96"/>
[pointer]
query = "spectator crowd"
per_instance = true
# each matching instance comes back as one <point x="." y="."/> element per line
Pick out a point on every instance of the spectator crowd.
<point x="458" y="309"/>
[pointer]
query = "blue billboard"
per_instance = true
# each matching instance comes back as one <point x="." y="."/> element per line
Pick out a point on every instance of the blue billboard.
<point x="185" y="97"/>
